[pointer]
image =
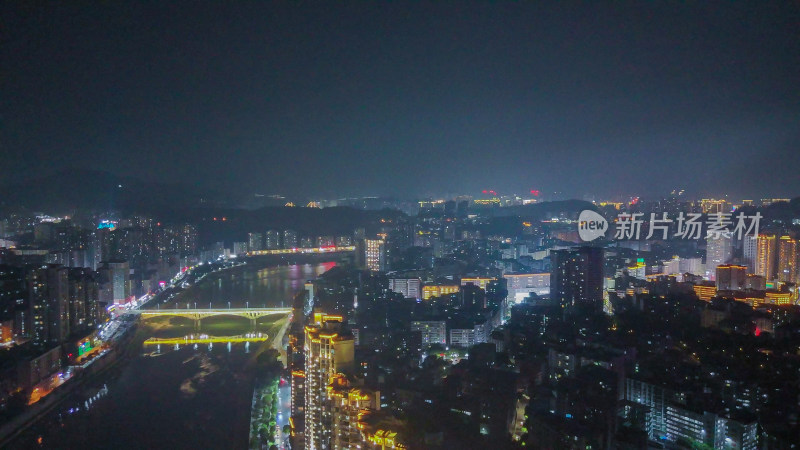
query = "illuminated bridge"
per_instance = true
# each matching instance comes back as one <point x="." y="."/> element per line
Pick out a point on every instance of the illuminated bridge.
<point x="199" y="314"/>
<point x="312" y="250"/>
<point x="205" y="339"/>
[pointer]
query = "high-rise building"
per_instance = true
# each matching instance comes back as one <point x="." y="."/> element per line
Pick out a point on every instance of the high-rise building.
<point x="255" y="242"/>
<point x="295" y="355"/>
<point x="290" y="239"/>
<point x="326" y="241"/>
<point x="13" y="299"/>
<point x="239" y="248"/>
<point x="344" y="241"/>
<point x="48" y="290"/>
<point x="750" y="252"/>
<point x="84" y="298"/>
<point x="347" y="405"/>
<point x="115" y="279"/>
<point x="576" y="279"/>
<point x="731" y="277"/>
<point x="272" y="240"/>
<point x="374" y="255"/>
<point x="787" y="260"/>
<point x="766" y="250"/>
<point x="718" y="252"/>
<point x="329" y="350"/>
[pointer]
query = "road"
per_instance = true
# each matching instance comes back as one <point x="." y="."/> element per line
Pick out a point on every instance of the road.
<point x="284" y="412"/>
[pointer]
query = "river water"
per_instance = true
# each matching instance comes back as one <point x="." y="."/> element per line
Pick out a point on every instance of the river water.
<point x="165" y="398"/>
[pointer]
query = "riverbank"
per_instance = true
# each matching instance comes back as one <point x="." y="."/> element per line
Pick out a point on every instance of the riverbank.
<point x="194" y="396"/>
<point x="19" y="424"/>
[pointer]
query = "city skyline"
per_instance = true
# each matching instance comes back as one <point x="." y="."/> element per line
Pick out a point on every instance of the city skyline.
<point x="400" y="225"/>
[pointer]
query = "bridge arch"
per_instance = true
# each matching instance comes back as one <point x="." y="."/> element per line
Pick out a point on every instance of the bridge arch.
<point x="197" y="315"/>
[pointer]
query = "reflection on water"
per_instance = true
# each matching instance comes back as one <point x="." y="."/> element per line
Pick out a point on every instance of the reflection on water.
<point x="197" y="395"/>
<point x="243" y="286"/>
<point x="189" y="398"/>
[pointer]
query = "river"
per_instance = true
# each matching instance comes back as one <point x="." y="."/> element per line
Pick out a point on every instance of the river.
<point x="197" y="396"/>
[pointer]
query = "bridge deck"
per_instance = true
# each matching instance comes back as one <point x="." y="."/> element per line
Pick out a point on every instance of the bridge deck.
<point x="203" y="339"/>
<point x="250" y="313"/>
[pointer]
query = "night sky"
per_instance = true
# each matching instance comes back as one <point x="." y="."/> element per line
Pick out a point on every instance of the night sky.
<point x="388" y="98"/>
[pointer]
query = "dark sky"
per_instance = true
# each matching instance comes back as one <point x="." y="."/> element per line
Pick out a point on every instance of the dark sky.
<point x="351" y="98"/>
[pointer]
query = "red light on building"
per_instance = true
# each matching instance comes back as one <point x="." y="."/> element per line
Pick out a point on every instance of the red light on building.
<point x="535" y="192"/>
<point x="485" y="191"/>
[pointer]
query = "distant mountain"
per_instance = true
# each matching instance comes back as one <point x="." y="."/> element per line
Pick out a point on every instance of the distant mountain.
<point x="335" y="221"/>
<point x="78" y="189"/>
